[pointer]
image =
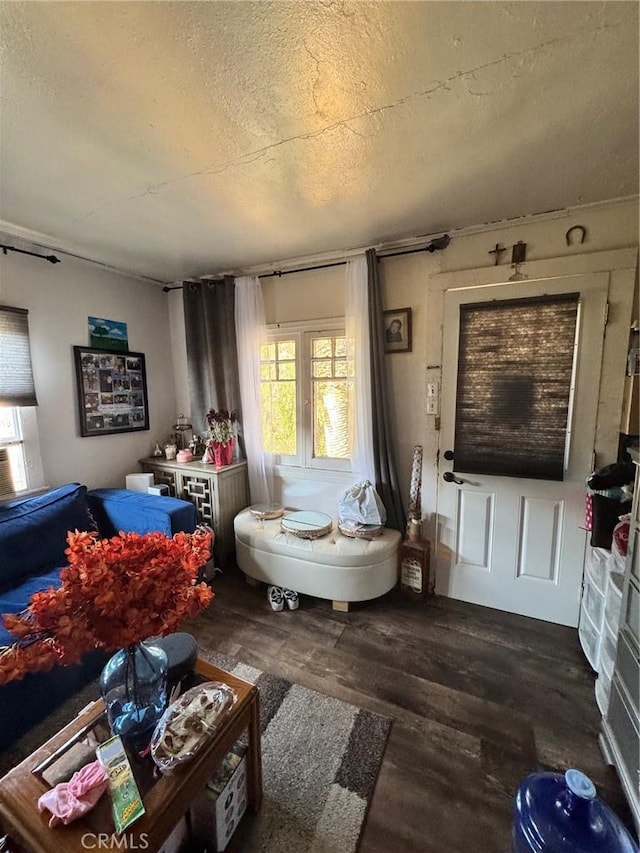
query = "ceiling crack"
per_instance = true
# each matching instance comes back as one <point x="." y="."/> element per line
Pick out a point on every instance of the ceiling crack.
<point x="315" y="83"/>
<point x="438" y="86"/>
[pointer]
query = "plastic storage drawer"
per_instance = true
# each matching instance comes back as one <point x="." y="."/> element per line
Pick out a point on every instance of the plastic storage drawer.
<point x="593" y="601"/>
<point x="608" y="648"/>
<point x="613" y="602"/>
<point x="603" y="690"/>
<point x="596" y="562"/>
<point x="589" y="640"/>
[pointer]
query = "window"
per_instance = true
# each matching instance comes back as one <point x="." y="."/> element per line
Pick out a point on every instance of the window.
<point x="20" y="464"/>
<point x="515" y="376"/>
<point x="306" y="384"/>
<point x="13" y="471"/>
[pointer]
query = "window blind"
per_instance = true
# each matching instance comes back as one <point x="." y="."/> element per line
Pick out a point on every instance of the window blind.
<point x="515" y="365"/>
<point x="16" y="377"/>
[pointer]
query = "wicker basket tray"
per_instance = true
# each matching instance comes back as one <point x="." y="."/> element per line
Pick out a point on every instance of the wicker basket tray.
<point x="307" y="525"/>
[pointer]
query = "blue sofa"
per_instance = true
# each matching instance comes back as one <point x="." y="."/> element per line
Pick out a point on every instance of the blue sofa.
<point x="33" y="534"/>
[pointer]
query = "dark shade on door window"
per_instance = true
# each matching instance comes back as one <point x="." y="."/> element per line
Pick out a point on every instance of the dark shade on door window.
<point x="515" y="365"/>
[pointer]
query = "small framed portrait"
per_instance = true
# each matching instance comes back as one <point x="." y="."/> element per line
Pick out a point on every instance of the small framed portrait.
<point x="397" y="330"/>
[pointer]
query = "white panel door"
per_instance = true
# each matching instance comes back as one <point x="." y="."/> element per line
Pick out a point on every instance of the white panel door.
<point x="512" y="543"/>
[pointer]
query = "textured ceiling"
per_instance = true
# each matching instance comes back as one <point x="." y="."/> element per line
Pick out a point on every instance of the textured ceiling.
<point x="181" y="138"/>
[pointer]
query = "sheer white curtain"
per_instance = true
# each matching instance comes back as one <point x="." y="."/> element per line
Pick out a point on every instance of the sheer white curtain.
<point x="357" y="329"/>
<point x="250" y="333"/>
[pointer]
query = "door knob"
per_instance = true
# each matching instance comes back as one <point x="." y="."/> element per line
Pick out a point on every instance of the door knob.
<point x="450" y="477"/>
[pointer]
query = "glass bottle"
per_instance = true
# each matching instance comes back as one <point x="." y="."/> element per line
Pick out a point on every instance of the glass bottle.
<point x="133" y="684"/>
<point x="414" y="562"/>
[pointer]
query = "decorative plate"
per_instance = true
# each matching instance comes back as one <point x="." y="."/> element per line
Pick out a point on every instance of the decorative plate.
<point x="307" y="525"/>
<point x="360" y="531"/>
<point x="266" y="511"/>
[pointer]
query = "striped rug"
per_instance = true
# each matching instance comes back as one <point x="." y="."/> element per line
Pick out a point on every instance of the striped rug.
<point x="320" y="762"/>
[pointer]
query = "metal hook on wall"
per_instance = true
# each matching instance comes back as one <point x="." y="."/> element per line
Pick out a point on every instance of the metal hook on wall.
<point x="576" y="228"/>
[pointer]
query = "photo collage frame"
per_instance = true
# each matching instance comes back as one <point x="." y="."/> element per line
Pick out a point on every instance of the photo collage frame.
<point x="112" y="391"/>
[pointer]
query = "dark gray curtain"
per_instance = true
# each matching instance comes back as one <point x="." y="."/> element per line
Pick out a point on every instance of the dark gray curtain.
<point x="212" y="355"/>
<point x="386" y="484"/>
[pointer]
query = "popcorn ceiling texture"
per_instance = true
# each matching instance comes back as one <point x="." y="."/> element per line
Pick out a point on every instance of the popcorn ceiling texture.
<point x="187" y="138"/>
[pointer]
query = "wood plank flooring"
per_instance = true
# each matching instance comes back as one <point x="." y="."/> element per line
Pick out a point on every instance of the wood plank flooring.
<point x="479" y="698"/>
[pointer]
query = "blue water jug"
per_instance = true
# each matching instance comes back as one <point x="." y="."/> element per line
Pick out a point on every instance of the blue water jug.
<point x="558" y="813"/>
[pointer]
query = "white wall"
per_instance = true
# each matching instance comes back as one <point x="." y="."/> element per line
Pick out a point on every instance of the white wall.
<point x="59" y="299"/>
<point x="411" y="281"/>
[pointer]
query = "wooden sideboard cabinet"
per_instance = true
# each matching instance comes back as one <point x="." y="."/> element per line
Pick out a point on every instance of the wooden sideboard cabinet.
<point x="217" y="493"/>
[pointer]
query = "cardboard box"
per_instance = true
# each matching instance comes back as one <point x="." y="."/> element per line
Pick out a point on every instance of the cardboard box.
<point x="178" y="838"/>
<point x="218" y="809"/>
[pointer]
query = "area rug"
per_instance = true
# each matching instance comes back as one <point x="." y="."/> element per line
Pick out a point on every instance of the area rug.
<point x="320" y="762"/>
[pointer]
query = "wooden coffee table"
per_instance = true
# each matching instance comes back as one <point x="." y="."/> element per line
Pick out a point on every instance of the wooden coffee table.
<point x="167" y="800"/>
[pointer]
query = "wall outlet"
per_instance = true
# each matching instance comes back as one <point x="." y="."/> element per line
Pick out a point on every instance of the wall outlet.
<point x="432" y="398"/>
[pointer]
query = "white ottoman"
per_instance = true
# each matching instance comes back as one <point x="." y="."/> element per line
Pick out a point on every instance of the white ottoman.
<point x="334" y="566"/>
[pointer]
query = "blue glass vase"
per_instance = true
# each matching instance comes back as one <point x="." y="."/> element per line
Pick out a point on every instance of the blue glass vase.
<point x="558" y="813"/>
<point x="134" y="688"/>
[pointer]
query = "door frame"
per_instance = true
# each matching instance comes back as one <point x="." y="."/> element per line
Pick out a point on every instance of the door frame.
<point x="621" y="265"/>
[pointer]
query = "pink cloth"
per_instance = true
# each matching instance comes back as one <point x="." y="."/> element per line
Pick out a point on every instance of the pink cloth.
<point x="70" y="800"/>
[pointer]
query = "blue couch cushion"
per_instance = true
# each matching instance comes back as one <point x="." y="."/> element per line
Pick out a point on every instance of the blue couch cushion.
<point x="33" y="532"/>
<point x="119" y="509"/>
<point x="15" y="600"/>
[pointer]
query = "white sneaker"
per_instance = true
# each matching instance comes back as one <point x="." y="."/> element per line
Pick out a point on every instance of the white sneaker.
<point x="275" y="597"/>
<point x="291" y="598"/>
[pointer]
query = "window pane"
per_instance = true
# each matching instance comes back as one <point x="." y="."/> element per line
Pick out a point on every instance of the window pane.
<point x="322" y="348"/>
<point x="322" y="369"/>
<point x="267" y="352"/>
<point x="279" y="397"/>
<point x="287" y="370"/>
<point x="286" y="350"/>
<point x="13" y="473"/>
<point x="8" y="425"/>
<point x="331" y="420"/>
<point x="331" y="389"/>
<point x="340" y="347"/>
<point x="514" y="381"/>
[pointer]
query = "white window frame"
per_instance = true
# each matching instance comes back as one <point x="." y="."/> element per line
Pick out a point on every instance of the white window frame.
<point x="302" y="333"/>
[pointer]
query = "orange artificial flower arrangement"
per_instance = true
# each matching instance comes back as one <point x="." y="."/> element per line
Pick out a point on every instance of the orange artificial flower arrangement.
<point x="115" y="592"/>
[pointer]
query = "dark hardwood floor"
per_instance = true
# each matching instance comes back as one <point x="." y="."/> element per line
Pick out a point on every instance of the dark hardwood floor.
<point x="479" y="698"/>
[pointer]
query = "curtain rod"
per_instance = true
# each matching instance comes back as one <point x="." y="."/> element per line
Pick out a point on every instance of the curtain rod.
<point x="51" y="258"/>
<point x="434" y="246"/>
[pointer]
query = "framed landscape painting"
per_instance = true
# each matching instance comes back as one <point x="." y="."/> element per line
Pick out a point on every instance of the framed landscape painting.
<point x="112" y="391"/>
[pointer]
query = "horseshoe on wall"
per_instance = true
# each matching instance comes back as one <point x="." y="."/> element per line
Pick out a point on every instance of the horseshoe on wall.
<point x="576" y="228"/>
